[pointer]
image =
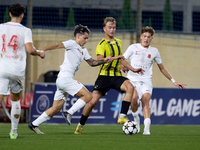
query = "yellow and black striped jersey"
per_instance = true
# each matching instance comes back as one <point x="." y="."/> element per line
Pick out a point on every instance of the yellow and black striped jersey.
<point x="110" y="48"/>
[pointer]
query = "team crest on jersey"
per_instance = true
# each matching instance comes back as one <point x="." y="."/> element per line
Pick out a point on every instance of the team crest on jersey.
<point x="137" y="52"/>
<point x="149" y="55"/>
<point x="2" y="55"/>
<point x="80" y="51"/>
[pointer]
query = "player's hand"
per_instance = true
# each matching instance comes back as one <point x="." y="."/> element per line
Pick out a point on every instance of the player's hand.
<point x="119" y="57"/>
<point x="139" y="70"/>
<point x="108" y="59"/>
<point x="41" y="53"/>
<point x="180" y="85"/>
<point x="124" y="69"/>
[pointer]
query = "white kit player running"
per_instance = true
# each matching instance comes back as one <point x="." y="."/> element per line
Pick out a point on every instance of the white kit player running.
<point x="142" y="55"/>
<point x="75" y="52"/>
<point x="15" y="40"/>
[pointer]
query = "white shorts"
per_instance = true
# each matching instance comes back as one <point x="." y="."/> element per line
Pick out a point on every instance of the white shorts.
<point x="9" y="82"/>
<point x="66" y="86"/>
<point x="142" y="87"/>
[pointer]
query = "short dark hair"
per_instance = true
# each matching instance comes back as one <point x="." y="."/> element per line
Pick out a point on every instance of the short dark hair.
<point x="81" y="29"/>
<point x="109" y="19"/>
<point x="148" y="29"/>
<point x="17" y="9"/>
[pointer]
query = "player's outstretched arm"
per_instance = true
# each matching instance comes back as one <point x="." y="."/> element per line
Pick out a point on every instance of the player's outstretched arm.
<point x="129" y="67"/>
<point x="167" y="75"/>
<point x="118" y="57"/>
<point x="32" y="50"/>
<point x="95" y="63"/>
<point x="53" y="46"/>
<point x="124" y="69"/>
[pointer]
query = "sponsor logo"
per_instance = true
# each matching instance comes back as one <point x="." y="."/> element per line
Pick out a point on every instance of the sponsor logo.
<point x="2" y="55"/>
<point x="137" y="52"/>
<point x="149" y="55"/>
<point x="80" y="51"/>
<point x="96" y="87"/>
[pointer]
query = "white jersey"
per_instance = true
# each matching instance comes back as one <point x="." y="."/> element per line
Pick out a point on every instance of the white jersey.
<point x="74" y="55"/>
<point x="140" y="57"/>
<point x="13" y="37"/>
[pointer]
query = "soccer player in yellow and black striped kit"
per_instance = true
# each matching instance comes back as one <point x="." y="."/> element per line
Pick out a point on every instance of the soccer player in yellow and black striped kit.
<point x="110" y="75"/>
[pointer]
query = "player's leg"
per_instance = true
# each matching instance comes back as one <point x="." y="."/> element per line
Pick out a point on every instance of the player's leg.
<point x="46" y="115"/>
<point x="15" y="113"/>
<point x="147" y="112"/>
<point x="4" y="90"/>
<point x="96" y="95"/>
<point x="134" y="107"/>
<point x="129" y="89"/>
<point x="16" y="87"/>
<point x="134" y="102"/>
<point x="85" y="97"/>
<point x="59" y="100"/>
<point x="100" y="88"/>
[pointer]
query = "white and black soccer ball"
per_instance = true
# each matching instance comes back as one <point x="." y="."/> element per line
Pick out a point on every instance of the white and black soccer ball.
<point x="129" y="128"/>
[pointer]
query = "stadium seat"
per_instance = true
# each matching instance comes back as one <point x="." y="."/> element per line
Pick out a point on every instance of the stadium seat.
<point x="28" y="100"/>
<point x="27" y="103"/>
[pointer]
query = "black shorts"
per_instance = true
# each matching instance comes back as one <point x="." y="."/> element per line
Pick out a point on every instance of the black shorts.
<point x="105" y="83"/>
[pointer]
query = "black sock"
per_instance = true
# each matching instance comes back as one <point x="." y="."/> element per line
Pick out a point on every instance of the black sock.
<point x="125" y="107"/>
<point x="83" y="119"/>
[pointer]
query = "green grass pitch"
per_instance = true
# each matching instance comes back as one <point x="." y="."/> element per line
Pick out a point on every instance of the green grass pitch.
<point x="101" y="137"/>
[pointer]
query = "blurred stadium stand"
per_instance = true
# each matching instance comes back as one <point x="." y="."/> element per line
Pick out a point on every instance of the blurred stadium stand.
<point x="48" y="14"/>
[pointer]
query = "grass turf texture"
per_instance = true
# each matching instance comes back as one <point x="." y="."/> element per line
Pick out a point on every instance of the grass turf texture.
<point x="101" y="137"/>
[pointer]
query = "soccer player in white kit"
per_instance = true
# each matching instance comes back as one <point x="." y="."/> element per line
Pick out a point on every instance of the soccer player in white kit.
<point x="142" y="55"/>
<point x="15" y="40"/>
<point x="75" y="52"/>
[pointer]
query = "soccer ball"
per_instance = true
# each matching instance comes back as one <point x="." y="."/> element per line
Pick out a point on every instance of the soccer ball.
<point x="129" y="128"/>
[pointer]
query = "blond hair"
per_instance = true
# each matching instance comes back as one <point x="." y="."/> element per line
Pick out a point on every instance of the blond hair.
<point x="109" y="19"/>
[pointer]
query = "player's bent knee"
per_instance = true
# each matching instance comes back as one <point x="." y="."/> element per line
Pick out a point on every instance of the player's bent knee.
<point x="92" y="104"/>
<point x="87" y="97"/>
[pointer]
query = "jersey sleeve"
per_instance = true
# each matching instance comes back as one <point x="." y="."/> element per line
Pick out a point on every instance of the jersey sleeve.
<point x="100" y="49"/>
<point x="158" y="59"/>
<point x="68" y="44"/>
<point x="128" y="52"/>
<point x="28" y="36"/>
<point x="86" y="55"/>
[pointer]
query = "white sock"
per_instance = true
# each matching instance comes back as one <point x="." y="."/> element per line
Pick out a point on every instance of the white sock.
<point x="135" y="116"/>
<point x="147" y="121"/>
<point x="78" y="105"/>
<point x="15" y="115"/>
<point x="42" y="118"/>
<point x="122" y="115"/>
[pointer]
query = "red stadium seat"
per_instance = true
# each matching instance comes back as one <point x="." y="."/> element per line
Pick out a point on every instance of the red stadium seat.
<point x="24" y="104"/>
<point x="28" y="99"/>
